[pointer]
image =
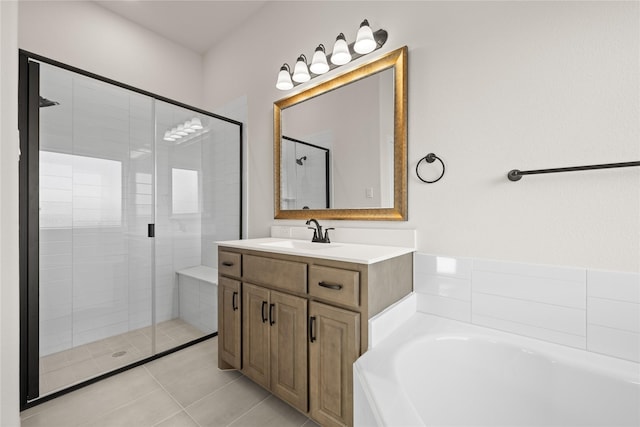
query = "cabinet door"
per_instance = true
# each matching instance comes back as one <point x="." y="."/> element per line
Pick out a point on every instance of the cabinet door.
<point x="229" y="339"/>
<point x="334" y="341"/>
<point x="255" y="334"/>
<point x="288" y="319"/>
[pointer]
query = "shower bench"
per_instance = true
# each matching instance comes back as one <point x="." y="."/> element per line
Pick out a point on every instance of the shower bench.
<point x="198" y="297"/>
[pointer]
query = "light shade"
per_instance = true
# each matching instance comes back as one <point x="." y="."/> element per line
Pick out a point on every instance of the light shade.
<point x="175" y="134"/>
<point x="284" y="78"/>
<point x="319" y="62"/>
<point x="301" y="71"/>
<point x="365" y="42"/>
<point x="188" y="128"/>
<point x="196" y="123"/>
<point x="168" y="137"/>
<point x="340" y="55"/>
<point x="181" y="131"/>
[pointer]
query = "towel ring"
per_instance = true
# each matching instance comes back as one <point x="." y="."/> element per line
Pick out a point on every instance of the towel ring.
<point x="430" y="158"/>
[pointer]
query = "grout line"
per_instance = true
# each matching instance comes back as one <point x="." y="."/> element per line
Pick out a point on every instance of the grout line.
<point x="612" y="328"/>
<point x="250" y="409"/>
<point x="528" y="325"/>
<point x="533" y="301"/>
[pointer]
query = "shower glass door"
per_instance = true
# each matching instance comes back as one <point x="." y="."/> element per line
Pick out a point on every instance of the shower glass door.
<point x="95" y="172"/>
<point x="132" y="194"/>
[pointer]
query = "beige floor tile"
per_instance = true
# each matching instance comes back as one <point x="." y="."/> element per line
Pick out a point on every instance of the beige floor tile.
<point x="78" y="354"/>
<point x="145" y="411"/>
<point x="88" y="403"/>
<point x="58" y="379"/>
<point x="193" y="384"/>
<point x="98" y="348"/>
<point x="181" y="419"/>
<point x="310" y="423"/>
<point x="227" y="404"/>
<point x="54" y="361"/>
<point x="272" y="412"/>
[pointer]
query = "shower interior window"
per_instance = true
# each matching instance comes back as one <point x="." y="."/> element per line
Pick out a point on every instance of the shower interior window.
<point x="89" y="188"/>
<point x="184" y="191"/>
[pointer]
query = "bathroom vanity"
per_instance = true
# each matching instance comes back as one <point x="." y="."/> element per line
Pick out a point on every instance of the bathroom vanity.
<point x="293" y="315"/>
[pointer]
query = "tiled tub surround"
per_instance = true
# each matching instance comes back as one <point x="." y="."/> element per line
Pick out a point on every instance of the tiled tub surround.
<point x="594" y="310"/>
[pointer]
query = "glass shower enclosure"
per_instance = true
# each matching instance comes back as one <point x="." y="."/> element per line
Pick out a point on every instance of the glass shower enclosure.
<point x="123" y="196"/>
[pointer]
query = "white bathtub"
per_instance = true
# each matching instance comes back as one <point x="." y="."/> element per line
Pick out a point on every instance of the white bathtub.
<point x="433" y="371"/>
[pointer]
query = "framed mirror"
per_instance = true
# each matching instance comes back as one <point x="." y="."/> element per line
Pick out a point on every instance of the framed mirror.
<point x="340" y="147"/>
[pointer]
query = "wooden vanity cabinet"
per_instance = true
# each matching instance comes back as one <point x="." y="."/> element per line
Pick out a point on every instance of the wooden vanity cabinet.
<point x="305" y="322"/>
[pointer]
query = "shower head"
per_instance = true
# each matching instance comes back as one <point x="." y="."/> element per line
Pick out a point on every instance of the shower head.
<point x="44" y="102"/>
<point x="300" y="160"/>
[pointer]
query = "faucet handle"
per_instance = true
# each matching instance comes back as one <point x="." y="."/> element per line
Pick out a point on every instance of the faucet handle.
<point x="315" y="233"/>
<point x="326" y="234"/>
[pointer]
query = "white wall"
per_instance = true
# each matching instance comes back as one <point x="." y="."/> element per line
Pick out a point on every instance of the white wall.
<point x="87" y="36"/>
<point x="493" y="86"/>
<point x="9" y="291"/>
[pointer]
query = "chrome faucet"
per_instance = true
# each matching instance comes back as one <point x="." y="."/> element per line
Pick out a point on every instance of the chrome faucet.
<point x="317" y="232"/>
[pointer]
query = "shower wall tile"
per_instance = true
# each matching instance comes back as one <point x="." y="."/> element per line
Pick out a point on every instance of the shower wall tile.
<point x="594" y="310"/>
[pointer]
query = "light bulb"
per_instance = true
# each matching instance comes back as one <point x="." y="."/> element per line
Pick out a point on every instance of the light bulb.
<point x="300" y="71"/>
<point x="341" y="53"/>
<point x="365" y="42"/>
<point x="284" y="78"/>
<point x="168" y="137"/>
<point x="319" y="61"/>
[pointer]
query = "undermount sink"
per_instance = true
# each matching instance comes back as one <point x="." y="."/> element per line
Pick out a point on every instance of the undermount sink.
<point x="300" y="244"/>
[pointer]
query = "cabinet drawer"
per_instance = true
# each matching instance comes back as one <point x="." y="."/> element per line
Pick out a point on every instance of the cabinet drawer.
<point x="335" y="284"/>
<point x="229" y="263"/>
<point x="287" y="275"/>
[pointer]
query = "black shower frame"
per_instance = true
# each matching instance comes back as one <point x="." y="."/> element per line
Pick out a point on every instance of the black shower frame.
<point x="28" y="90"/>
<point x="326" y="160"/>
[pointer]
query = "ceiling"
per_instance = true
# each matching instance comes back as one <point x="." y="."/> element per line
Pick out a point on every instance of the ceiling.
<point x="196" y="25"/>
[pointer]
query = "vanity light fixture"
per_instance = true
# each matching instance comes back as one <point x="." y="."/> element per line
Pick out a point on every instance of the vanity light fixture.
<point x="341" y="53"/>
<point x="366" y="42"/>
<point x="319" y="63"/>
<point x="301" y="71"/>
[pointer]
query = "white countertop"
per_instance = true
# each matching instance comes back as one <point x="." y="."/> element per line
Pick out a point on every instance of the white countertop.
<point x="347" y="252"/>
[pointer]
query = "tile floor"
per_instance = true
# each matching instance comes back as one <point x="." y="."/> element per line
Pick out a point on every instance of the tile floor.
<point x="68" y="367"/>
<point x="183" y="389"/>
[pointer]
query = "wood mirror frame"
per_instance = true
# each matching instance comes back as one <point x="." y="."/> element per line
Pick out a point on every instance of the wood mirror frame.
<point x="397" y="60"/>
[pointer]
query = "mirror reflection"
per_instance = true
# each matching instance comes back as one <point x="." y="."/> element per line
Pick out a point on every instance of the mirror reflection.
<point x="352" y="128"/>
